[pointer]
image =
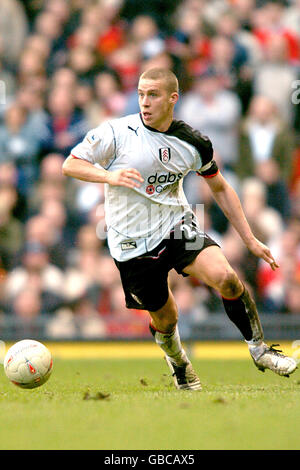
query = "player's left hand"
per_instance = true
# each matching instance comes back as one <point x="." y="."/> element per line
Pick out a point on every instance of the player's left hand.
<point x="262" y="251"/>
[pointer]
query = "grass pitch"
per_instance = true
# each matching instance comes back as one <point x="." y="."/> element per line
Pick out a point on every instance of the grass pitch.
<point x="131" y="404"/>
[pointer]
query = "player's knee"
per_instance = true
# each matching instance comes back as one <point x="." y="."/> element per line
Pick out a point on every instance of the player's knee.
<point x="229" y="284"/>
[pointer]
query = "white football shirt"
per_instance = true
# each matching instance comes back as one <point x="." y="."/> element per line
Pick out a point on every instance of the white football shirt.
<point x="139" y="219"/>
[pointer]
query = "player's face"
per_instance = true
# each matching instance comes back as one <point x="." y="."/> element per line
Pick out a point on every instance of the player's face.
<point x="156" y="103"/>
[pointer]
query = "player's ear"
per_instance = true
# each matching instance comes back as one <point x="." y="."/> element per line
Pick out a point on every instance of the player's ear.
<point x="174" y="97"/>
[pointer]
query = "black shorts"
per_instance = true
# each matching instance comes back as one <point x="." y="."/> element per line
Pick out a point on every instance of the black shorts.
<point x="145" y="278"/>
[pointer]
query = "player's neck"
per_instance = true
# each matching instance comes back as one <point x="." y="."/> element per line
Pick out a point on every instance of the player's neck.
<point x="164" y="126"/>
<point x="160" y="126"/>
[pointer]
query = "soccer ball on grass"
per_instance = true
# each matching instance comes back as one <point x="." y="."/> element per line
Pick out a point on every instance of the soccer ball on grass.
<point x="28" y="364"/>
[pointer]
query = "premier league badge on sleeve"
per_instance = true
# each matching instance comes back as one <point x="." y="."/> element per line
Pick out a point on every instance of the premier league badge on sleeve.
<point x="164" y="154"/>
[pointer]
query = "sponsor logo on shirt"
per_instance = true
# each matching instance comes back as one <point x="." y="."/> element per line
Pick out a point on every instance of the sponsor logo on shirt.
<point x="157" y="180"/>
<point x="150" y="189"/>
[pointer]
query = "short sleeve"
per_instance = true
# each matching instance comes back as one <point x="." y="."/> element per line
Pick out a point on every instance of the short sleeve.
<point x="205" y="149"/>
<point x="98" y="146"/>
<point x="201" y="143"/>
<point x="209" y="170"/>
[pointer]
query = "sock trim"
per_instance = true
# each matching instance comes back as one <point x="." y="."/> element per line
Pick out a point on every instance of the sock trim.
<point x="231" y="298"/>
<point x="159" y="331"/>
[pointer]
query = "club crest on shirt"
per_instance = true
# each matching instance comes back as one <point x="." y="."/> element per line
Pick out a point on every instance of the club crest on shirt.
<point x="164" y="154"/>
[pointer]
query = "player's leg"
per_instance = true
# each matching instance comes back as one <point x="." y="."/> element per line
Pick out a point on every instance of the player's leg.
<point x="212" y="267"/>
<point x="164" y="329"/>
<point x="163" y="326"/>
<point x="145" y="284"/>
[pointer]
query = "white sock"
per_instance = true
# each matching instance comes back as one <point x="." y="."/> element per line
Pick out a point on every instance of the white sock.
<point x="256" y="348"/>
<point x="170" y="343"/>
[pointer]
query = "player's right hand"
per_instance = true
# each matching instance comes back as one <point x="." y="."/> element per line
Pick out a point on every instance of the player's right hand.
<point x="128" y="177"/>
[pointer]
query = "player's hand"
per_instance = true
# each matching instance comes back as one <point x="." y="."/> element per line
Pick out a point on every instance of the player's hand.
<point x="129" y="177"/>
<point x="262" y="251"/>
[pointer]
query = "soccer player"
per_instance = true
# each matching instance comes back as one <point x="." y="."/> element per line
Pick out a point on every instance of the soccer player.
<point x="142" y="159"/>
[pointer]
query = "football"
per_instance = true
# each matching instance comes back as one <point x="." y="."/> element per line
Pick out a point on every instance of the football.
<point x="28" y="364"/>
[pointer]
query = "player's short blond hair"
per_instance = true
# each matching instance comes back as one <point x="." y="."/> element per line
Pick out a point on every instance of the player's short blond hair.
<point x="162" y="74"/>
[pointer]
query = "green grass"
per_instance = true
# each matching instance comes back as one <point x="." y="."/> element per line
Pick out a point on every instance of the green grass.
<point x="239" y="408"/>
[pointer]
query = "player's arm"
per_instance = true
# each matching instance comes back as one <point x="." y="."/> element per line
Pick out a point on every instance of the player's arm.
<point x="86" y="171"/>
<point x="229" y="202"/>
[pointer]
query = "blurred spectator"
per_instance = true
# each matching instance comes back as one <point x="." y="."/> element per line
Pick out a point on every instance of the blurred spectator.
<point x="292" y="301"/>
<point x="264" y="135"/>
<point x="48" y="24"/>
<point x="8" y="85"/>
<point x="85" y="36"/>
<point x="236" y="53"/>
<point x="85" y="99"/>
<point x="268" y="23"/>
<point x="237" y="24"/>
<point x="112" y="34"/>
<point x="190" y="308"/>
<point x="87" y="319"/>
<point x="227" y="55"/>
<point x="85" y="261"/>
<point x="51" y="184"/>
<point x="145" y="34"/>
<point x="55" y="212"/>
<point x="295" y="185"/>
<point x="32" y="99"/>
<point x="108" y="91"/>
<point x="84" y="62"/>
<point x="60" y="8"/>
<point x="291" y="17"/>
<point x="79" y="320"/>
<point x="50" y="172"/>
<point x="125" y="61"/>
<point x="11" y="229"/>
<point x="66" y="125"/>
<point x="265" y="221"/>
<point x="40" y="44"/>
<point x="39" y="229"/>
<point x="32" y="70"/>
<point x="274" y="286"/>
<point x="229" y="27"/>
<point x="275" y="76"/>
<point x="108" y="277"/>
<point x="13" y="31"/>
<point x="35" y="270"/>
<point x="9" y="178"/>
<point x="45" y="190"/>
<point x="26" y="308"/>
<point x="160" y="10"/>
<point x="27" y="305"/>
<point x="64" y="78"/>
<point x="215" y="112"/>
<point x="233" y="248"/>
<point x="20" y="144"/>
<point x="123" y="322"/>
<point x="277" y="193"/>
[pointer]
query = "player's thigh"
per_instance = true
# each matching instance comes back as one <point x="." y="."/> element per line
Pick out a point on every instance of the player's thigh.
<point x="212" y="267"/>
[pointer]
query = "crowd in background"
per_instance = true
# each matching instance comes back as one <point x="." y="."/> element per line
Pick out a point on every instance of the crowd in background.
<point x="68" y="65"/>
